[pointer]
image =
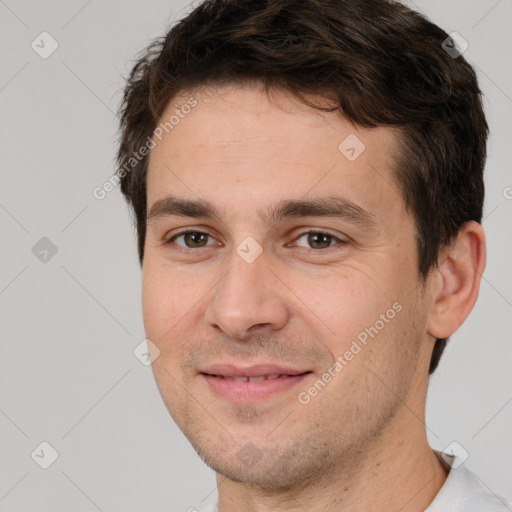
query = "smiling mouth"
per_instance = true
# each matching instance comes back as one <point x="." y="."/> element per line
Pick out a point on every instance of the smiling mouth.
<point x="252" y="389"/>
<point x="258" y="378"/>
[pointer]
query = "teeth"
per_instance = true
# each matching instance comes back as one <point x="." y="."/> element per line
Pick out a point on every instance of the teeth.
<point x="252" y="379"/>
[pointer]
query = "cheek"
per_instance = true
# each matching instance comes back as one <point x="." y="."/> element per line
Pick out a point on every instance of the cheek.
<point x="167" y="298"/>
<point x="342" y="306"/>
<point x="166" y="308"/>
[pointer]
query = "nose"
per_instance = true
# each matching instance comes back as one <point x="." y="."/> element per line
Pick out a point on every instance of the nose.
<point x="247" y="298"/>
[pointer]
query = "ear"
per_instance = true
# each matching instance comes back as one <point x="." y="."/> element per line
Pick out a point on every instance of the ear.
<point x="456" y="280"/>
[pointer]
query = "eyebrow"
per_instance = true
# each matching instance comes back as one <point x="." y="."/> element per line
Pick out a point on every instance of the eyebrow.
<point x="332" y="206"/>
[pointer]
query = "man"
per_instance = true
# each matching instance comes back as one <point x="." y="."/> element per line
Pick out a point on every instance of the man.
<point x="307" y="183"/>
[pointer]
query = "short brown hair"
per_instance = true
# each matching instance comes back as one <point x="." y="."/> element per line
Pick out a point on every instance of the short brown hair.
<point x="381" y="63"/>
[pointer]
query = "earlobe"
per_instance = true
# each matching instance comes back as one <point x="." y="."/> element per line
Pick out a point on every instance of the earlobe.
<point x="457" y="281"/>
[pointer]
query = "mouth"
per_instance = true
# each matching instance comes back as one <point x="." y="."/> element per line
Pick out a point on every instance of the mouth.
<point x="253" y="384"/>
<point x="258" y="378"/>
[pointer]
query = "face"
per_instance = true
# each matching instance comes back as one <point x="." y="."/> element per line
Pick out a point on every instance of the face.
<point x="274" y="240"/>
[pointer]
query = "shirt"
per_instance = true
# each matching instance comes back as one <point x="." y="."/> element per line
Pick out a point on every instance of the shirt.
<point x="462" y="491"/>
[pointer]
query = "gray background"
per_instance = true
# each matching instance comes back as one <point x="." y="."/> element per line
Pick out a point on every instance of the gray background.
<point x="69" y="325"/>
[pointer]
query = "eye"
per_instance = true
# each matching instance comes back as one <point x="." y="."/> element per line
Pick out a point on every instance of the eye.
<point x="191" y="239"/>
<point x="318" y="240"/>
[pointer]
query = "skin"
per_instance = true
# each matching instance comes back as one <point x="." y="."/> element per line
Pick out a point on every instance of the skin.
<point x="360" y="444"/>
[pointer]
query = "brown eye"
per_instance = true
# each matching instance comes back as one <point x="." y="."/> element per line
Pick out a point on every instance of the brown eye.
<point x="195" y="239"/>
<point x="191" y="239"/>
<point x="318" y="240"/>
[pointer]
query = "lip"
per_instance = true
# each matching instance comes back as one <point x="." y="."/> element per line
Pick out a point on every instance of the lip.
<point x="228" y="370"/>
<point x="251" y="392"/>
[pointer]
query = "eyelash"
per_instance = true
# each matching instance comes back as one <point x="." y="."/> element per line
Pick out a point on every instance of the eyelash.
<point x="169" y="241"/>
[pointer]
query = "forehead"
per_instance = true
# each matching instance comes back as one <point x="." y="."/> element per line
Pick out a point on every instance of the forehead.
<point x="242" y="143"/>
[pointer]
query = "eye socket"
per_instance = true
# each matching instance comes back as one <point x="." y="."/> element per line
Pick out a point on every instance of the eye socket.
<point x="321" y="238"/>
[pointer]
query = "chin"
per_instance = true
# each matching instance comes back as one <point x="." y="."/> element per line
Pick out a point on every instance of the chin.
<point x="269" y="470"/>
